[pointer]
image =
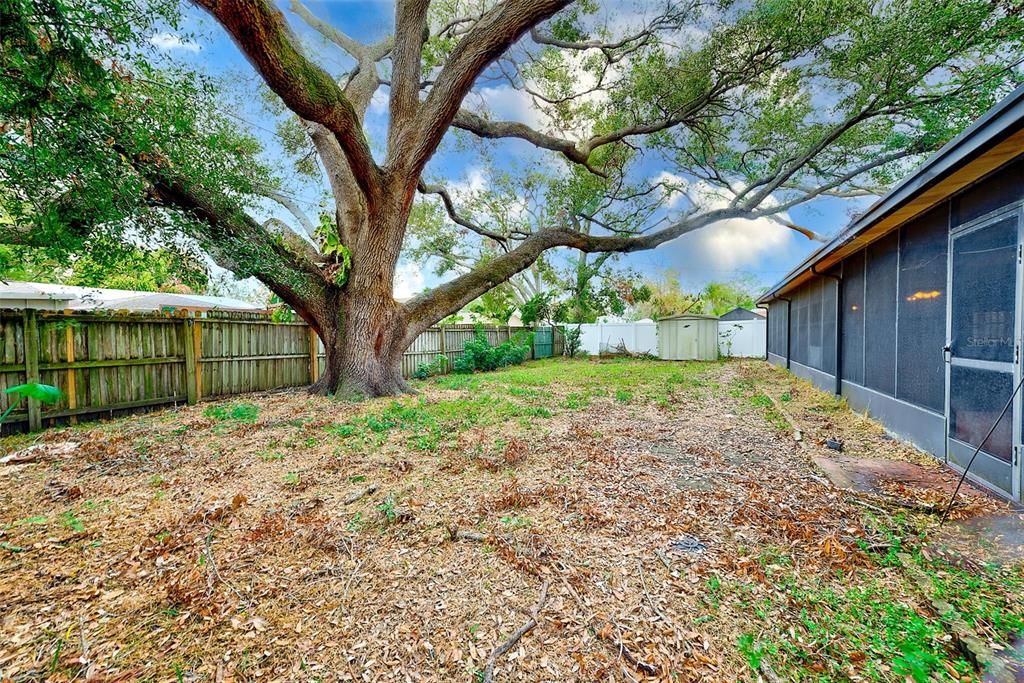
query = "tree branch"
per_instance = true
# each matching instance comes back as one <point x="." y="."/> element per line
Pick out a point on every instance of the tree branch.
<point x="481" y="127"/>
<point x="261" y="33"/>
<point x="294" y="240"/>
<point x="293" y="208"/>
<point x="350" y="45"/>
<point x="429" y="307"/>
<point x="406" y="64"/>
<point x="578" y="153"/>
<point x="449" y="206"/>
<point x="489" y="38"/>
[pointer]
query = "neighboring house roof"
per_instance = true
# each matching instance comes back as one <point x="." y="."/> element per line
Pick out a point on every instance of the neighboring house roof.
<point x="741" y="313"/>
<point x="45" y="296"/>
<point x="991" y="142"/>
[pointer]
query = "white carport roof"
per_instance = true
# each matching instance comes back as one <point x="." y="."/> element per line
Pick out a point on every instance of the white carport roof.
<point x="45" y="296"/>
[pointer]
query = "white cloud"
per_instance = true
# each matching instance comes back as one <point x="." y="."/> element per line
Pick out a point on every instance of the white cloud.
<point x="475" y="180"/>
<point x="737" y="242"/>
<point x="508" y="103"/>
<point x="171" y="41"/>
<point x="409" y="281"/>
<point x="724" y="245"/>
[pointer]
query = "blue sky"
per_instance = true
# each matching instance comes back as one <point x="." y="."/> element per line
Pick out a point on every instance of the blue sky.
<point x="760" y="249"/>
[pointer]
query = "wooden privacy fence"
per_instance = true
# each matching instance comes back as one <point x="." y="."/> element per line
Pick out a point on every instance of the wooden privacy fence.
<point x="112" y="364"/>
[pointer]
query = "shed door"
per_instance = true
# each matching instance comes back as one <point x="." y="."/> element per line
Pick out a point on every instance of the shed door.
<point x="984" y="332"/>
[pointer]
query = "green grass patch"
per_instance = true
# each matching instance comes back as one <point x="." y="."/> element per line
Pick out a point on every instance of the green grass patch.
<point x="237" y="412"/>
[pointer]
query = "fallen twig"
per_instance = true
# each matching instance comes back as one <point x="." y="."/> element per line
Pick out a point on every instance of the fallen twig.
<point x="353" y="497"/>
<point x="768" y="672"/>
<point x="650" y="600"/>
<point x="213" y="573"/>
<point x="517" y="635"/>
<point x="637" y="663"/>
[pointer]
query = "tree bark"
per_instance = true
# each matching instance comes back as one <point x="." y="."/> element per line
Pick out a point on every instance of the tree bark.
<point x="362" y="337"/>
<point x="363" y="328"/>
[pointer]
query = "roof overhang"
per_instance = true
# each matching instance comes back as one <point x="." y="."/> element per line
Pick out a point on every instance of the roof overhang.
<point x="993" y="141"/>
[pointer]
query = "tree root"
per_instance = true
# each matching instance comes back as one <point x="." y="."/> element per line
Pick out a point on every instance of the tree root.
<point x="528" y="626"/>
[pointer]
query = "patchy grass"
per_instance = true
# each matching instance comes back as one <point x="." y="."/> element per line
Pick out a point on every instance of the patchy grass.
<point x="288" y="537"/>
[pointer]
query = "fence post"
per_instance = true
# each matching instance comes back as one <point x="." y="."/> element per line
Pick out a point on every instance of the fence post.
<point x="191" y="361"/>
<point x="69" y="351"/>
<point x="35" y="419"/>
<point x="314" y="356"/>
<point x="444" y="346"/>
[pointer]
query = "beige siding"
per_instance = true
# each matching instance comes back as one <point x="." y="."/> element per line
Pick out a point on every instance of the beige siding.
<point x="688" y="339"/>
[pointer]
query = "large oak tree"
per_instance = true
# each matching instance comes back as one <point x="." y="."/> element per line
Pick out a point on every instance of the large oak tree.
<point x="754" y="107"/>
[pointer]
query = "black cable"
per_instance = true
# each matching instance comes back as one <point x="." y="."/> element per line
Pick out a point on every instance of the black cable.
<point x="977" y="450"/>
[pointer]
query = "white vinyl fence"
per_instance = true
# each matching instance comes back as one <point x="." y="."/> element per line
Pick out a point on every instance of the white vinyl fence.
<point x="638" y="337"/>
<point x="742" y="338"/>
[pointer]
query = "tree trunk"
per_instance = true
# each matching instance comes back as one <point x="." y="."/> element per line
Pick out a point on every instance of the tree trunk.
<point x="363" y="336"/>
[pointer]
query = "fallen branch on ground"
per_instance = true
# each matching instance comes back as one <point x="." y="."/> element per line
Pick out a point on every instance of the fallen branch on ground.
<point x="640" y="665"/>
<point x="40" y="451"/>
<point x="768" y="672"/>
<point x="353" y="497"/>
<point x="517" y="635"/>
<point x="457" y="534"/>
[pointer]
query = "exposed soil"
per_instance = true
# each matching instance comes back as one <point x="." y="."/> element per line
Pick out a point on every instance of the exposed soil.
<point x="673" y="519"/>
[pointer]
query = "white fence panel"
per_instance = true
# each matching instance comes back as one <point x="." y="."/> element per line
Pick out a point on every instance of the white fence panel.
<point x="640" y="337"/>
<point x="742" y="338"/>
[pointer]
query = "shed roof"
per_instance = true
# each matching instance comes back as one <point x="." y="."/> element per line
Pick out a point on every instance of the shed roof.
<point x="688" y="316"/>
<point x="42" y="295"/>
<point x="991" y="142"/>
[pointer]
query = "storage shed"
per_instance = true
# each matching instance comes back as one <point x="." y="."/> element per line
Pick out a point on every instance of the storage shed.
<point x="915" y="312"/>
<point x="688" y="337"/>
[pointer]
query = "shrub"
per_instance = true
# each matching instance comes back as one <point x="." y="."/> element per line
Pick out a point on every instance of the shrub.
<point x="573" y="342"/>
<point x="437" y="367"/>
<point x="478" y="354"/>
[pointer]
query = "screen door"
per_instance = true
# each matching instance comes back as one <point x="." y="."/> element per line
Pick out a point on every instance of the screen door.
<point x="984" y="329"/>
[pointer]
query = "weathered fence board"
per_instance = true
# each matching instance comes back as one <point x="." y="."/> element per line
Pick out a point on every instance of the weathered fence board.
<point x="111" y="364"/>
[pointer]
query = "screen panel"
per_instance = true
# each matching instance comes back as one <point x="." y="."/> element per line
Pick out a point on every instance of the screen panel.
<point x="1003" y="187"/>
<point x="920" y="365"/>
<point x="814" y="345"/>
<point x="853" y="318"/>
<point x="798" y="328"/>
<point x="984" y="278"/>
<point x="828" y="325"/>
<point x="880" y="315"/>
<point x="976" y="398"/>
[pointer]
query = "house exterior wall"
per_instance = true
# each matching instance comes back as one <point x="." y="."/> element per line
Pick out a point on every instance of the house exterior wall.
<point x="891" y="327"/>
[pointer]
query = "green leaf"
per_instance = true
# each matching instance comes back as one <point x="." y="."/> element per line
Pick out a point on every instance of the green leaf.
<point x="40" y="392"/>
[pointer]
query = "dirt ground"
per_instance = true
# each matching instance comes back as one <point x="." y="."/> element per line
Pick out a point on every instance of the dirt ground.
<point x="657" y="518"/>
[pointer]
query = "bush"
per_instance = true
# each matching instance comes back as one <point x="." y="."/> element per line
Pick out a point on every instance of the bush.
<point x="437" y="367"/>
<point x="478" y="354"/>
<point x="573" y="342"/>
